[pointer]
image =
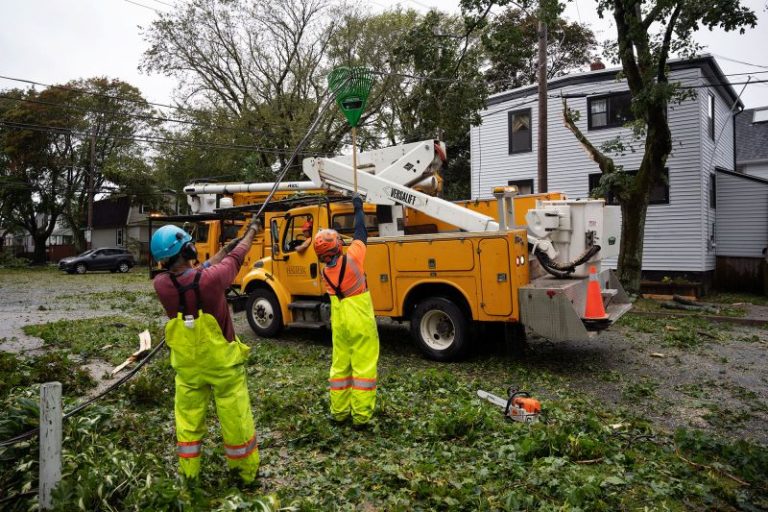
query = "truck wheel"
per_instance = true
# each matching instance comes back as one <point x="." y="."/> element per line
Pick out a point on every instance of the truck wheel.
<point x="441" y="329"/>
<point x="81" y="268"/>
<point x="264" y="314"/>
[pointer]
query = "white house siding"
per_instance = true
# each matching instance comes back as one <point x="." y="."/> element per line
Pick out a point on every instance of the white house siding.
<point x="717" y="153"/>
<point x="674" y="234"/>
<point x="742" y="216"/>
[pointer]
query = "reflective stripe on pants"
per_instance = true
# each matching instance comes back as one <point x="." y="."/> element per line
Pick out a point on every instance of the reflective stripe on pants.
<point x="352" y="381"/>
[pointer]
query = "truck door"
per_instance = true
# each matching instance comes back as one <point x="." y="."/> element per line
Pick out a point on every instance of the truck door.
<point x="299" y="268"/>
<point x="495" y="277"/>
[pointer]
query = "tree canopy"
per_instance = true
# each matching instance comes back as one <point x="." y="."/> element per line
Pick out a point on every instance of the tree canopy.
<point x="259" y="71"/>
<point x="45" y="140"/>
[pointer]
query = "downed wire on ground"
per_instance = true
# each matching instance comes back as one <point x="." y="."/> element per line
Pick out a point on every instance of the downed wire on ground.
<point x="32" y="433"/>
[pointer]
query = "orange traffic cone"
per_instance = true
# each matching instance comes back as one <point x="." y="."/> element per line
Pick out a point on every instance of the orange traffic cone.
<point x="594" y="311"/>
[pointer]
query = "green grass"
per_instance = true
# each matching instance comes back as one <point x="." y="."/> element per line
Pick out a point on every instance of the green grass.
<point x="682" y="332"/>
<point x="111" y="338"/>
<point x="434" y="444"/>
<point x="735" y="298"/>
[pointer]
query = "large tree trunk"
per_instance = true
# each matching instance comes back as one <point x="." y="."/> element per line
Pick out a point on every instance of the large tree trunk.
<point x="39" y="256"/>
<point x="78" y="238"/>
<point x="631" y="251"/>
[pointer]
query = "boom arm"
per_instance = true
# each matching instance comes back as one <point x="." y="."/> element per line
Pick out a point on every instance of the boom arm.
<point x="390" y="185"/>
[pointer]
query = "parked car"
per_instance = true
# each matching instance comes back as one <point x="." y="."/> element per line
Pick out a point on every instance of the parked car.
<point x="113" y="259"/>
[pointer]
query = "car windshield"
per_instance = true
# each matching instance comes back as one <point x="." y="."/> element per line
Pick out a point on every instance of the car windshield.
<point x="86" y="253"/>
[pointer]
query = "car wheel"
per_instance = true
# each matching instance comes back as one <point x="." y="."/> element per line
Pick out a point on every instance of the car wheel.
<point x="264" y="314"/>
<point x="441" y="329"/>
<point x="80" y="268"/>
<point x="123" y="267"/>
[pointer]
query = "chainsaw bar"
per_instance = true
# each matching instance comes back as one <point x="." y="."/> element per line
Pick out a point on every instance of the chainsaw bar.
<point x="525" y="410"/>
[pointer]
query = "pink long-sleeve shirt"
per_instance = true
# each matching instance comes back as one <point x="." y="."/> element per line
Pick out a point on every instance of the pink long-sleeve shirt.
<point x="214" y="282"/>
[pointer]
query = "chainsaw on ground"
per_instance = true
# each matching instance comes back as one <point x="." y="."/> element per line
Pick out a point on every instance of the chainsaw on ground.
<point x="518" y="407"/>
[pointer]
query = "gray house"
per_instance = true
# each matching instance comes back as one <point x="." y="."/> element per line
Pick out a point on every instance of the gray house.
<point x="742" y="220"/>
<point x="752" y="142"/>
<point x="680" y="227"/>
<point x="120" y="222"/>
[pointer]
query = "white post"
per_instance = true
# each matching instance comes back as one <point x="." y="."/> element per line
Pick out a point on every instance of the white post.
<point x="50" y="441"/>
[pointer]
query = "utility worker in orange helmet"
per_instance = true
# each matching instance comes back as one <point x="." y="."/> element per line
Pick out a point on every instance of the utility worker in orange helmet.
<point x="352" y="380"/>
<point x="306" y="230"/>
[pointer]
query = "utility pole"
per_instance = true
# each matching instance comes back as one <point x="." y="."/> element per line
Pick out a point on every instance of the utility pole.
<point x="91" y="175"/>
<point x="542" y="75"/>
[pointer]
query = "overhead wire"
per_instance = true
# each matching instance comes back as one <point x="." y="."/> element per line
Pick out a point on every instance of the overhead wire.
<point x="143" y="103"/>
<point x="147" y="139"/>
<point x="144" y="6"/>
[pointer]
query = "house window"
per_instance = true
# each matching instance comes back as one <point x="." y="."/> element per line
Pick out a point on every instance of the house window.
<point x="523" y="186"/>
<point x="711" y="116"/>
<point x="119" y="237"/>
<point x="144" y="209"/>
<point x="520" y="131"/>
<point x="659" y="191"/>
<point x="712" y="191"/>
<point x="609" y="111"/>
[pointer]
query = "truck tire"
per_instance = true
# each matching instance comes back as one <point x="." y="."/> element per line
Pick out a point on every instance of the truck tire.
<point x="441" y="329"/>
<point x="264" y="314"/>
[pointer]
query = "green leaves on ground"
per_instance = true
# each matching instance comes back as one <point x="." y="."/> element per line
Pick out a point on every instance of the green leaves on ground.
<point x="433" y="446"/>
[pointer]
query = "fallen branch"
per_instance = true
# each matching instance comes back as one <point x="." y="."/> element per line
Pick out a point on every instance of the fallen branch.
<point x="704" y="466"/>
<point x="590" y="461"/>
<point x="145" y="344"/>
<point x="688" y="307"/>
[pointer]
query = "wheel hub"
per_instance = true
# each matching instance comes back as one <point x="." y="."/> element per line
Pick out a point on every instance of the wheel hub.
<point x="437" y="330"/>
<point x="262" y="313"/>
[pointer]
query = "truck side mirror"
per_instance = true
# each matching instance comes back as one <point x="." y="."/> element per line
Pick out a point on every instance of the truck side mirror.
<point x="275" y="233"/>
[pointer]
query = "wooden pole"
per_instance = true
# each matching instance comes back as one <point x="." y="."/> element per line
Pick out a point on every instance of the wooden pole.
<point x="91" y="179"/>
<point x="50" y="442"/>
<point x="541" y="175"/>
<point x="354" y="155"/>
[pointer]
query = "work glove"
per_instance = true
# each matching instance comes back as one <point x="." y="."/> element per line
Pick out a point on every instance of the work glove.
<point x="232" y="244"/>
<point x="357" y="201"/>
<point x="255" y="225"/>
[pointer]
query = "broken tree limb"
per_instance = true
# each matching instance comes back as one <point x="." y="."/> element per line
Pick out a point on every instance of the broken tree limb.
<point x="145" y="344"/>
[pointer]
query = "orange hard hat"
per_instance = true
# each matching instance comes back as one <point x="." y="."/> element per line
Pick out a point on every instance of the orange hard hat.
<point x="327" y="244"/>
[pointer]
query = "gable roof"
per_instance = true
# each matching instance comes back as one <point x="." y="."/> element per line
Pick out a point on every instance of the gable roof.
<point x="751" y="138"/>
<point x="709" y="67"/>
<point x="111" y="212"/>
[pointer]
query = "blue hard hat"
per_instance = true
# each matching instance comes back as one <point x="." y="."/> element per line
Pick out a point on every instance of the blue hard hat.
<point x="168" y="241"/>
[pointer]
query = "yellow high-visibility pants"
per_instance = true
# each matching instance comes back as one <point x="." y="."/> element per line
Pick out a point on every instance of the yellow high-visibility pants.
<point x="206" y="363"/>
<point x="352" y="380"/>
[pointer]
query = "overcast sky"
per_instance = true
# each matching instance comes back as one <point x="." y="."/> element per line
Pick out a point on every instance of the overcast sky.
<point x="54" y="41"/>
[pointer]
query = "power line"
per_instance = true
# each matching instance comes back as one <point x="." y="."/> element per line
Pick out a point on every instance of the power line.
<point x="740" y="61"/>
<point x="149" y="139"/>
<point x="34" y="432"/>
<point x="142" y="101"/>
<point x="142" y="5"/>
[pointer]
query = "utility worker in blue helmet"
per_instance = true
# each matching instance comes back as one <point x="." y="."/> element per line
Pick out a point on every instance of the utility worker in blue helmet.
<point x="352" y="380"/>
<point x="206" y="354"/>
